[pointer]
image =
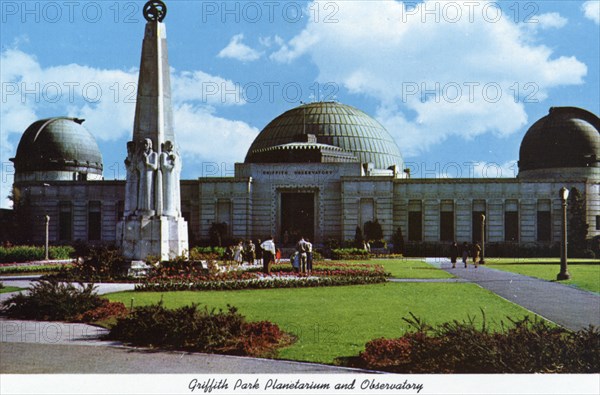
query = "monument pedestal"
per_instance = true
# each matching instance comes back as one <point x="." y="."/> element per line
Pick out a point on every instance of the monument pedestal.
<point x="164" y="238"/>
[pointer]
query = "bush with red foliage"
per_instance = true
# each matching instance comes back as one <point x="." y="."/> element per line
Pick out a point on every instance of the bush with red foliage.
<point x="106" y="310"/>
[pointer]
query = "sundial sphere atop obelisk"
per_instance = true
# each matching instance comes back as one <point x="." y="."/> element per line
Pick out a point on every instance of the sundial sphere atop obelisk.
<point x="155" y="11"/>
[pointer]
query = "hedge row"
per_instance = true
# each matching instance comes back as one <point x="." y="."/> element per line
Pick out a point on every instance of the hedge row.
<point x="34" y="253"/>
<point x="462" y="347"/>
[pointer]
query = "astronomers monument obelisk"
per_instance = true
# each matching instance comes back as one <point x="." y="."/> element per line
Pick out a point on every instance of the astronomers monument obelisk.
<point x="152" y="224"/>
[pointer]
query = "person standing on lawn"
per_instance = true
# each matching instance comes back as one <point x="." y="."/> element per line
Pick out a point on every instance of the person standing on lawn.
<point x="268" y="247"/>
<point x="309" y="256"/>
<point x="302" y="248"/>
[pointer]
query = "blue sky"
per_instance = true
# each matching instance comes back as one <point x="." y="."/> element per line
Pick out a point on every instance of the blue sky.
<point x="456" y="83"/>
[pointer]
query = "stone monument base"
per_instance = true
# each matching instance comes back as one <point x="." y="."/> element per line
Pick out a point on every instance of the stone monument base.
<point x="163" y="238"/>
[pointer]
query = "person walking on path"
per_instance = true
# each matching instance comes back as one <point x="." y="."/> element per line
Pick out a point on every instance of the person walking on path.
<point x="453" y="254"/>
<point x="268" y="247"/>
<point x="465" y="253"/>
<point x="475" y="254"/>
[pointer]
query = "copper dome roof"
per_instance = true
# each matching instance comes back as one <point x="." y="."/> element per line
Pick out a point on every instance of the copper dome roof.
<point x="333" y="124"/>
<point x="566" y="137"/>
<point x="58" y="144"/>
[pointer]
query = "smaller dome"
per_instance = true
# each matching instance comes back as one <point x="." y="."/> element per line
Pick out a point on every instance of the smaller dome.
<point x="568" y="137"/>
<point x="58" y="144"/>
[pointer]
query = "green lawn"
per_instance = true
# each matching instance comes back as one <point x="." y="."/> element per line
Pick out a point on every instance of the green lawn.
<point x="412" y="268"/>
<point x="9" y="289"/>
<point x="332" y="322"/>
<point x="583" y="275"/>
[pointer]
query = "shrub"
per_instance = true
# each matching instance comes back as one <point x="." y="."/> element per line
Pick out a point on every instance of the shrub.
<point x="53" y="301"/>
<point x="359" y="239"/>
<point x="585" y="253"/>
<point x="207" y="253"/>
<point x="32" y="268"/>
<point x="177" y="266"/>
<point x="101" y="263"/>
<point x="398" y="241"/>
<point x="1" y="285"/>
<point x="462" y="347"/>
<point x="349" y="254"/>
<point x="106" y="310"/>
<point x="34" y="253"/>
<point x="188" y="328"/>
<point x="373" y="230"/>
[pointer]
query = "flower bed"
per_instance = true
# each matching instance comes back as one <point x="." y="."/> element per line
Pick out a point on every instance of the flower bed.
<point x="282" y="276"/>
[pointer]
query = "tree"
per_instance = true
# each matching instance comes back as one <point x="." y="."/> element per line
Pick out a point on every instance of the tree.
<point x="373" y="231"/>
<point x="398" y="240"/>
<point x="217" y="231"/>
<point x="577" y="229"/>
<point x="359" y="239"/>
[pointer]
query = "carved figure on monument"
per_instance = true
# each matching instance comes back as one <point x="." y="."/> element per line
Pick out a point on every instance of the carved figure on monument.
<point x="170" y="166"/>
<point x="132" y="180"/>
<point x="147" y="166"/>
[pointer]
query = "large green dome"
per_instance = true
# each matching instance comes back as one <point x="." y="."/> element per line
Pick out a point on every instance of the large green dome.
<point x="58" y="144"/>
<point x="333" y="124"/>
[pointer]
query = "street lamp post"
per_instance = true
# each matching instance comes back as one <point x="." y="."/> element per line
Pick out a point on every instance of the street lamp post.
<point x="482" y="260"/>
<point x="564" y="273"/>
<point x="47" y="219"/>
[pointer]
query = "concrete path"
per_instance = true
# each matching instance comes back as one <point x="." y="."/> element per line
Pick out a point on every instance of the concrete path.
<point x="27" y="346"/>
<point x="26" y="281"/>
<point x="565" y="305"/>
<point x="57" y="347"/>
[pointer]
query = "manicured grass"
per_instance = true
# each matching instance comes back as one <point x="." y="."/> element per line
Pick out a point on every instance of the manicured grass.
<point x="408" y="268"/>
<point x="583" y="275"/>
<point x="333" y="322"/>
<point x="9" y="289"/>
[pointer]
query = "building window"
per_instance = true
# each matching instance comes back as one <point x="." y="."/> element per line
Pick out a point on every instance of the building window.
<point x="597" y="222"/>
<point x="544" y="221"/>
<point x="65" y="221"/>
<point x="224" y="214"/>
<point x="367" y="211"/>
<point x="478" y="210"/>
<point x="94" y="220"/>
<point x="120" y="210"/>
<point x="415" y="221"/>
<point x="544" y="226"/>
<point x="447" y="220"/>
<point x="511" y="226"/>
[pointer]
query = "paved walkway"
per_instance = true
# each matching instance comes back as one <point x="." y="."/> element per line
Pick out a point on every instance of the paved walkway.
<point x="58" y="347"/>
<point x="565" y="305"/>
<point x="27" y="346"/>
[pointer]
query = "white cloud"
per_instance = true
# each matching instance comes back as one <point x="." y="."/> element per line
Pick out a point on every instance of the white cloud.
<point x="551" y="20"/>
<point x="216" y="133"/>
<point x="106" y="99"/>
<point x="238" y="50"/>
<point x="591" y="10"/>
<point x="476" y="67"/>
<point x="206" y="88"/>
